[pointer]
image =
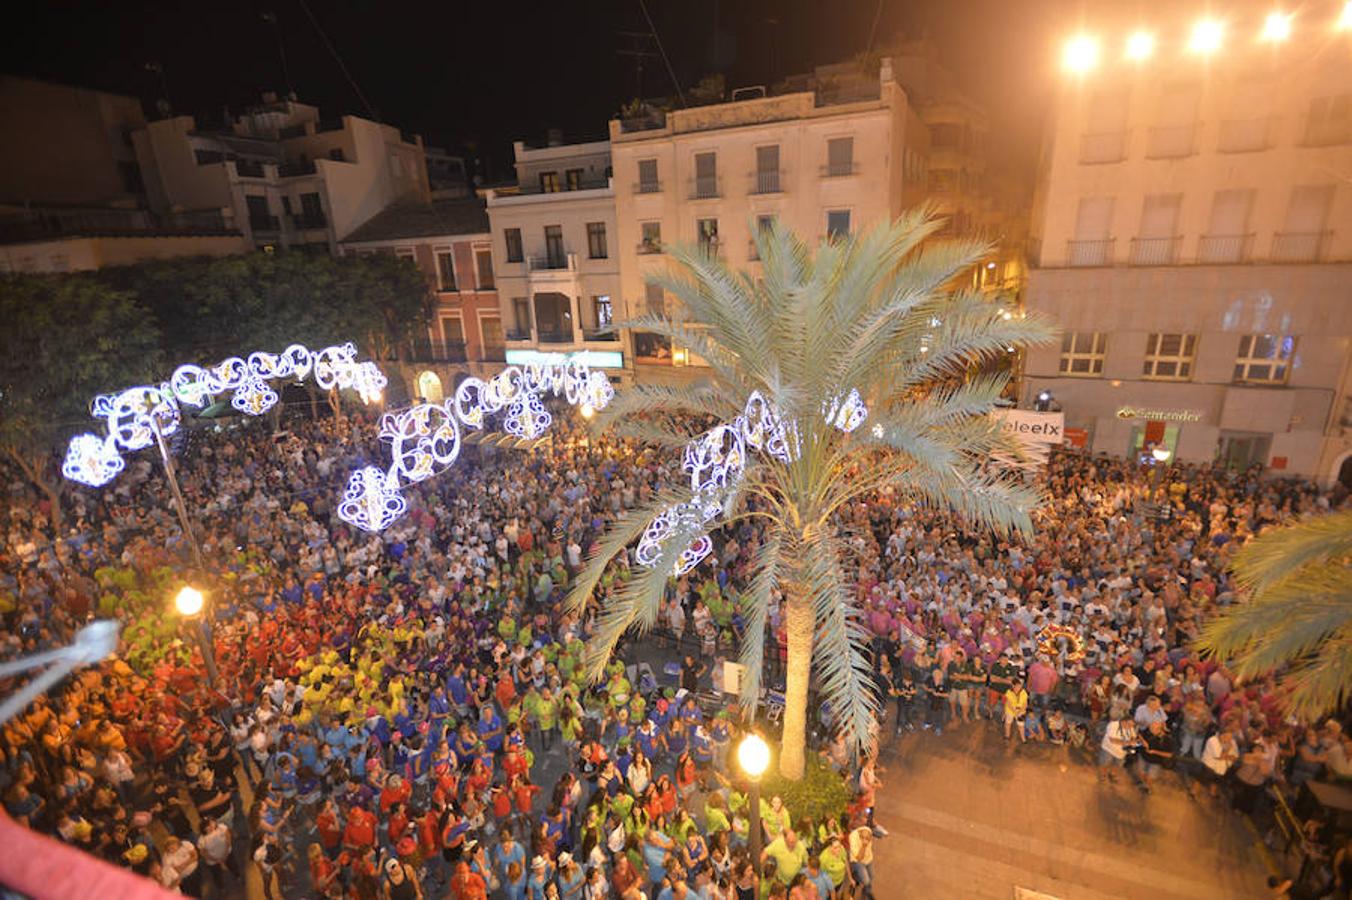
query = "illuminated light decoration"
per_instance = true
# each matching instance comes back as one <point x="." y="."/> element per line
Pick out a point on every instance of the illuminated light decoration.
<point x="527" y="417"/>
<point x="599" y="390"/>
<point x="92" y="460"/>
<point x="371" y="502"/>
<point x="878" y="431"/>
<point x="469" y="408"/>
<point x="783" y="443"/>
<point x="424" y="441"/>
<point x="693" y="555"/>
<point x="715" y="460"/>
<point x="132" y="416"/>
<point x="846" y="416"/>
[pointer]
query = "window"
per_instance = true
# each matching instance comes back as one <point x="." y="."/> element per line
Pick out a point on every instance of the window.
<point x="706" y="230"/>
<point x="554" y="256"/>
<point x="763" y="226"/>
<point x="1169" y="357"/>
<point x="767" y="169"/>
<point x="1329" y="121"/>
<point x="596" y="240"/>
<point x="490" y="329"/>
<point x="647" y="177"/>
<point x="446" y="270"/>
<point x="1082" y="353"/>
<point x="1264" y="358"/>
<point x="837" y="223"/>
<point x="549" y="182"/>
<point x="406" y="253"/>
<point x="602" y="311"/>
<point x="521" y="312"/>
<point x="573" y="179"/>
<point x="336" y="153"/>
<point x="652" y="237"/>
<point x="1303" y="231"/>
<point x="512" y="237"/>
<point x="655" y="299"/>
<point x="452" y="330"/>
<point x="311" y="211"/>
<point x="706" y="175"/>
<point x="1227" y="236"/>
<point x="483" y="264"/>
<point x="840" y="156"/>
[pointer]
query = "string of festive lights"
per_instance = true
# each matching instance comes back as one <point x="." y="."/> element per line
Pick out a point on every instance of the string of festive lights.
<point x="425" y="439"/>
<point x="132" y="416"/>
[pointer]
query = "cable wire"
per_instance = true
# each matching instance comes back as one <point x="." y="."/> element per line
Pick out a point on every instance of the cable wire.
<point x="653" y="28"/>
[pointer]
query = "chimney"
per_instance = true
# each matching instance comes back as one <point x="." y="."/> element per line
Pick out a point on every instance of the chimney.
<point x="554" y="137"/>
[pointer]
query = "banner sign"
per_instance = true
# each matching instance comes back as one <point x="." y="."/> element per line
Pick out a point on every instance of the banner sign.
<point x="1037" y="431"/>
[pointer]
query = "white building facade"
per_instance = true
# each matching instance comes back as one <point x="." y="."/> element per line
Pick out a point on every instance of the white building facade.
<point x="1192" y="236"/>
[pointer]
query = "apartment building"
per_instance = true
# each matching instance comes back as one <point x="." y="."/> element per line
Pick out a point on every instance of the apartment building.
<point x="71" y="193"/>
<point x="1192" y="236"/>
<point x="286" y="176"/>
<point x="556" y="255"/>
<point x="841" y="150"/>
<point x="449" y="241"/>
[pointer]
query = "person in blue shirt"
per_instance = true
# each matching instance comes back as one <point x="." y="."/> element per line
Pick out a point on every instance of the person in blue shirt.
<point x="490" y="729"/>
<point x="455" y="686"/>
<point x="508" y="851"/>
<point x="657" y="854"/>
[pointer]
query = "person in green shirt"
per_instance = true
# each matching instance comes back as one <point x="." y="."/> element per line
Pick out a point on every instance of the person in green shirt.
<point x="789" y="854"/>
<point x="715" y="815"/>
<point x="835" y="860"/>
<point x="546" y="717"/>
<point x="775" y="816"/>
<point x="1002" y="676"/>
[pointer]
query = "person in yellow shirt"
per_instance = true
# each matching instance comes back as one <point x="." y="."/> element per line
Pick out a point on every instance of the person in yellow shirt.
<point x="1016" y="707"/>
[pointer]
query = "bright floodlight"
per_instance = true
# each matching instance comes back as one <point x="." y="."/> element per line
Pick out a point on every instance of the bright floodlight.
<point x="1161" y="454"/>
<point x="189" y="601"/>
<point x="1140" y="45"/>
<point x="1276" y="27"/>
<point x="1081" y="54"/>
<point x="1206" y="36"/>
<point x="1345" y="20"/>
<point x="587" y="411"/>
<point x="753" y="754"/>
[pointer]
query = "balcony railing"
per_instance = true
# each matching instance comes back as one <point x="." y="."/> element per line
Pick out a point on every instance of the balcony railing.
<point x="518" y="334"/>
<point x="35" y="224"/>
<point x="288" y="170"/>
<point x="264" y="223"/>
<point x="1090" y="253"/>
<point x="649" y="247"/>
<point x="305" y="221"/>
<point x="839" y="169"/>
<point x="704" y="187"/>
<point x="494" y="353"/>
<point x="557" y="337"/>
<point x="1243" y="135"/>
<point x="1171" y="141"/>
<point x="440" y="351"/>
<point x="1224" y="248"/>
<point x="766" y="183"/>
<point x="1109" y="147"/>
<point x="1323" y="133"/>
<point x="247" y="168"/>
<point x="1154" y="251"/>
<point x="1307" y="246"/>
<point x="604" y="333"/>
<point x="648" y="187"/>
<point x="553" y="262"/>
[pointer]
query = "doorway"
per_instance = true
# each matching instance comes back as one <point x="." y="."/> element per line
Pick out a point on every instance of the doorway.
<point x="1240" y="451"/>
<point x="429" y="387"/>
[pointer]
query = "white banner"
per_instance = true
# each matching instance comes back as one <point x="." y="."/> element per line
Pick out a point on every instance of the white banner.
<point x="1037" y="431"/>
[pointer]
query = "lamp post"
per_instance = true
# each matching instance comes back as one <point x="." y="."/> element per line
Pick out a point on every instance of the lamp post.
<point x="753" y="755"/>
<point x="1161" y="455"/>
<point x="189" y="602"/>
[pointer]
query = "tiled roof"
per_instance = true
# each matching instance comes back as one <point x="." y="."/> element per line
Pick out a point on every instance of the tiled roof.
<point x="440" y="217"/>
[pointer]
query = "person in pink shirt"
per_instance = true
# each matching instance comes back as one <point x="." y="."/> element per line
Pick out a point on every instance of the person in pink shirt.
<point x="1042" y="679"/>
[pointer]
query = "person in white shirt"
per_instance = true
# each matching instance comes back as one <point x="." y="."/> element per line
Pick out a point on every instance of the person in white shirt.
<point x="1119" y="739"/>
<point x="1219" y="754"/>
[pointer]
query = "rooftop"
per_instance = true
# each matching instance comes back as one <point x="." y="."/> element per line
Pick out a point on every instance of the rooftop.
<point x="416" y="220"/>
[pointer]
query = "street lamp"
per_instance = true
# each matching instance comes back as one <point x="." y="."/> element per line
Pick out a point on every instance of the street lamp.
<point x="1140" y="45"/>
<point x="1206" y="36"/>
<point x="753" y="755"/>
<point x="1161" y="454"/>
<point x="587" y="411"/>
<point x="1276" y="27"/>
<point x="1080" y="54"/>
<point x="189" y="602"/>
<point x="1345" y="19"/>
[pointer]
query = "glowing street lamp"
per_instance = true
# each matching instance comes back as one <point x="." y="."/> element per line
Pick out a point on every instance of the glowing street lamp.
<point x="1206" y="36"/>
<point x="1161" y="454"/>
<point x="753" y="755"/>
<point x="1080" y="54"/>
<point x="587" y="411"/>
<point x="188" y="602"/>
<point x="1276" y="27"/>
<point x="1140" y="46"/>
<point x="1345" y="20"/>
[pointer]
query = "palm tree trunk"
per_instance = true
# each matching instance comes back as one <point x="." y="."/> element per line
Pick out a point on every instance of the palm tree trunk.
<point x="799" y="626"/>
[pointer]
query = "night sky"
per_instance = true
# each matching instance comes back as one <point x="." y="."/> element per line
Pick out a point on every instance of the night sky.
<point x="481" y="74"/>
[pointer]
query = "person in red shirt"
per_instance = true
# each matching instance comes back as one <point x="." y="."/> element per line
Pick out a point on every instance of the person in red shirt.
<point x="323" y="872"/>
<point x="360" y="833"/>
<point x="514" y="764"/>
<point x="502" y="802"/>
<point x="467" y="884"/>
<point x="428" y="836"/>
<point x="396" y="791"/>
<point x="398" y="822"/>
<point x="505" y="691"/>
<point x="330" y="827"/>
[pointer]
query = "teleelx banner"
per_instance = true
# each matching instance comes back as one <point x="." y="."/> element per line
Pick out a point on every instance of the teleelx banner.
<point x="1038" y="431"/>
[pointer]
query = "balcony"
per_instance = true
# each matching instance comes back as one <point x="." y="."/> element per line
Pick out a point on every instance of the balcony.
<point x="1307" y="246"/>
<point x="518" y="334"/>
<point x="1171" y="142"/>
<point x="840" y="169"/>
<point x="648" y="187"/>
<point x="264" y="223"/>
<point x="1326" y="133"/>
<point x="554" y="262"/>
<point x="41" y="224"/>
<point x="248" y="168"/>
<point x="290" y="170"/>
<point x="1090" y="253"/>
<point x="1243" y="135"/>
<point x="1154" y="251"/>
<point x="646" y="248"/>
<point x="598" y="335"/>
<point x="440" y="351"/>
<point x="306" y="221"/>
<point x="766" y="183"/>
<point x="1224" y="248"/>
<point x="704" y="187"/>
<point x="1099" y="149"/>
<point x="559" y="336"/>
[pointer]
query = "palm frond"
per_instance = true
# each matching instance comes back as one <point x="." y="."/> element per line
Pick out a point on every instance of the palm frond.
<point x="766" y="564"/>
<point x="1323" y="683"/>
<point x="1280" y="553"/>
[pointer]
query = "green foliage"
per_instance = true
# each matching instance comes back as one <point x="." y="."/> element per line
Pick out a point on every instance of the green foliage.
<point x="1296" y="617"/>
<point x="820" y="794"/>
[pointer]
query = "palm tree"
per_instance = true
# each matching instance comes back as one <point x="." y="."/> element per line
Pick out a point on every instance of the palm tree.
<point x="1296" y="617"/>
<point x="877" y="313"/>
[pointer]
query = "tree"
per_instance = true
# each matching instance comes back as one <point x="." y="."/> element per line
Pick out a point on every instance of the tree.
<point x="877" y="313"/>
<point x="1296" y="616"/>
<point x="65" y="339"/>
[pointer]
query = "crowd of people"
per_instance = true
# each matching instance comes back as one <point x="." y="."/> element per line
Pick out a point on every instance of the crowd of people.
<point x="407" y="714"/>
